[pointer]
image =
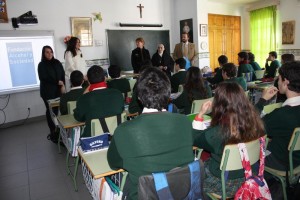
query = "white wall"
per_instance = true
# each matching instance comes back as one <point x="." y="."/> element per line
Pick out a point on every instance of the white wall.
<point x="55" y="15"/>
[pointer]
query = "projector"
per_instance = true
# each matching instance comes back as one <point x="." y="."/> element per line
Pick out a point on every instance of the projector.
<point x="25" y="19"/>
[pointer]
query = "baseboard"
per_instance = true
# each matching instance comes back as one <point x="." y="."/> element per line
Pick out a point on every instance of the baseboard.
<point x="23" y="121"/>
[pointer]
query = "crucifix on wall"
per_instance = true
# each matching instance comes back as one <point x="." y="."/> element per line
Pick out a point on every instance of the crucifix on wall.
<point x="141" y="10"/>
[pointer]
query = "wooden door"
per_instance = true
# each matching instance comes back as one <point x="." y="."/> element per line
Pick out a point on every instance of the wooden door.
<point x="224" y="38"/>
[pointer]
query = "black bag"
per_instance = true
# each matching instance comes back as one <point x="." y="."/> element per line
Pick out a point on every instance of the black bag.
<point x="178" y="184"/>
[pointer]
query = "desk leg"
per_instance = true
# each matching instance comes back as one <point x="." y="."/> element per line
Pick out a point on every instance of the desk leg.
<point x="58" y="143"/>
<point x="73" y="175"/>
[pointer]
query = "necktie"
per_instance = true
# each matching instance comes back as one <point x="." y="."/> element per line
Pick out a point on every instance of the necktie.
<point x="185" y="50"/>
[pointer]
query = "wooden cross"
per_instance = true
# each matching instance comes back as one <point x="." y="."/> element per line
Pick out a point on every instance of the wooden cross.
<point x="141" y="11"/>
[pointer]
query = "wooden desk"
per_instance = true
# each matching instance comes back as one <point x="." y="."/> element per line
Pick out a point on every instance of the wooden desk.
<point x="94" y="167"/>
<point x="259" y="86"/>
<point x="68" y="121"/>
<point x="53" y="103"/>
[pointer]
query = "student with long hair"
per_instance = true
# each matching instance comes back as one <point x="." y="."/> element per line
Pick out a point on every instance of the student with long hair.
<point x="195" y="88"/>
<point x="234" y="120"/>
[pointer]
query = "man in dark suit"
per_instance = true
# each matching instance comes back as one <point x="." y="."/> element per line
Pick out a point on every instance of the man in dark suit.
<point x="185" y="49"/>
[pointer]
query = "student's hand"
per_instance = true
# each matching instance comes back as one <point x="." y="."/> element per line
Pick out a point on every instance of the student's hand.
<point x="60" y="83"/>
<point x="269" y="92"/>
<point x="204" y="108"/>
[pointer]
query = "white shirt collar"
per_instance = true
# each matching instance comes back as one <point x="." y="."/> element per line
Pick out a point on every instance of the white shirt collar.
<point x="186" y="43"/>
<point x="294" y="101"/>
<point x="75" y="88"/>
<point x="181" y="70"/>
<point x="151" y="110"/>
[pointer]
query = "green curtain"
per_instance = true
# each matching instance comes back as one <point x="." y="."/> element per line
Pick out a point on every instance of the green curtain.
<point x="263" y="33"/>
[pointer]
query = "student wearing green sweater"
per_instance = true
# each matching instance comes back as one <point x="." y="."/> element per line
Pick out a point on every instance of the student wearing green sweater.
<point x="195" y="88"/>
<point x="244" y="66"/>
<point x="218" y="78"/>
<point x="281" y="123"/>
<point x="179" y="77"/>
<point x="75" y="92"/>
<point x="252" y="62"/>
<point x="229" y="75"/>
<point x="99" y="101"/>
<point x="230" y="124"/>
<point x="272" y="68"/>
<point x="117" y="82"/>
<point x="155" y="141"/>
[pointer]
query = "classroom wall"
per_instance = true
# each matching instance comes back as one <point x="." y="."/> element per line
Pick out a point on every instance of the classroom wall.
<point x="55" y="15"/>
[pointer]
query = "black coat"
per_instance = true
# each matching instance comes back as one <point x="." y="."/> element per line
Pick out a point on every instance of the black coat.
<point x="164" y="60"/>
<point x="50" y="72"/>
<point x="139" y="57"/>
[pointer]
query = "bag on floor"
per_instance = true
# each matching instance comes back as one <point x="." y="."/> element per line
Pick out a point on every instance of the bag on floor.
<point x="255" y="187"/>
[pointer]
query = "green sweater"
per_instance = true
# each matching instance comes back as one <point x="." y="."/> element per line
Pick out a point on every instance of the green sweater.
<point x="239" y="80"/>
<point x="153" y="142"/>
<point x="73" y="95"/>
<point x="183" y="102"/>
<point x="218" y="78"/>
<point x="96" y="104"/>
<point x="177" y="79"/>
<point x="279" y="125"/>
<point x="121" y="84"/>
<point x="211" y="141"/>
<point x="244" y="68"/>
<point x="271" y="70"/>
<point x="255" y="66"/>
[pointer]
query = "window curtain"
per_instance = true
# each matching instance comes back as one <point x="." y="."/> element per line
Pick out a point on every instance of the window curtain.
<point x="263" y="33"/>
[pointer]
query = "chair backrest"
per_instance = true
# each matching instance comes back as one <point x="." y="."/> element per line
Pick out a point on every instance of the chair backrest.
<point x="71" y="106"/>
<point x="196" y="105"/>
<point x="259" y="74"/>
<point x="248" y="76"/>
<point x="180" y="88"/>
<point x="231" y="159"/>
<point x="294" y="145"/>
<point x="131" y="83"/>
<point x="269" y="108"/>
<point x="112" y="123"/>
<point x="247" y="94"/>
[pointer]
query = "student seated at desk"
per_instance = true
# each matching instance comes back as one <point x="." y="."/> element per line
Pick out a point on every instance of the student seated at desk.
<point x="218" y="78"/>
<point x="179" y="77"/>
<point x="244" y="66"/>
<point x="252" y="62"/>
<point x="195" y="88"/>
<point x="281" y="122"/>
<point x="155" y="141"/>
<point x="99" y="101"/>
<point x="117" y="82"/>
<point x="271" y="69"/>
<point x="76" y="91"/>
<point x="229" y="73"/>
<point x="230" y="124"/>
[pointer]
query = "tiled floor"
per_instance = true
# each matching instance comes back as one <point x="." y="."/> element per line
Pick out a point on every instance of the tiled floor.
<point x="32" y="169"/>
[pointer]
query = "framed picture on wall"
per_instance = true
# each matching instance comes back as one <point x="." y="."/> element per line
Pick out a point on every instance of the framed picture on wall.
<point x="81" y="27"/>
<point x="203" y="30"/>
<point x="288" y="32"/>
<point x="186" y="26"/>
<point x="3" y="12"/>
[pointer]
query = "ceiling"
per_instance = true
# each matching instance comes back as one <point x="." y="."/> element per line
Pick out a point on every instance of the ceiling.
<point x="234" y="1"/>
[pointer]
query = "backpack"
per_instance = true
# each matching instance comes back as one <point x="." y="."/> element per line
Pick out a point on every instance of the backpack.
<point x="254" y="187"/>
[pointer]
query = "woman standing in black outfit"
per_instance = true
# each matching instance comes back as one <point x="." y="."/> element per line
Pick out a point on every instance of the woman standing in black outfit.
<point x="52" y="84"/>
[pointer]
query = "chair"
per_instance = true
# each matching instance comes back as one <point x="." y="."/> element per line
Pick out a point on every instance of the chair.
<point x="180" y="88"/>
<point x="112" y="123"/>
<point x="269" y="108"/>
<point x="131" y="83"/>
<point x="71" y="106"/>
<point x="248" y="76"/>
<point x="196" y="104"/>
<point x="231" y="160"/>
<point x="293" y="173"/>
<point x="259" y="74"/>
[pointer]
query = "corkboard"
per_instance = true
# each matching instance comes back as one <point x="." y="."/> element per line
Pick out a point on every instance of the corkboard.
<point x="288" y="32"/>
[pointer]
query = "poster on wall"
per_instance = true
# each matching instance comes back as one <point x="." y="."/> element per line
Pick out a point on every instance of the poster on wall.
<point x="186" y="26"/>
<point x="288" y="32"/>
<point x="3" y="12"/>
